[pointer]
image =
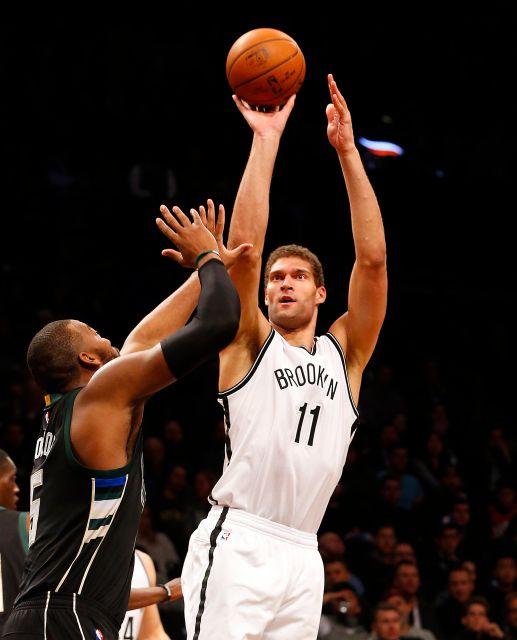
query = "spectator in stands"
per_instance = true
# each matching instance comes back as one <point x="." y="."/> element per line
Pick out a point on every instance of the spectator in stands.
<point x="171" y="507"/>
<point x="394" y="596"/>
<point x="404" y="551"/>
<point x="476" y="623"/>
<point x="342" y="615"/>
<point x="159" y="547"/>
<point x="442" y="558"/>
<point x="510" y="616"/>
<point x="376" y="571"/>
<point x="197" y="502"/>
<point x="450" y="606"/>
<point x="155" y="468"/>
<point x="421" y="612"/>
<point x="471" y="534"/>
<point x="331" y="546"/>
<point x="502" y="508"/>
<point x="387" y="622"/>
<point x="337" y="571"/>
<point x="501" y="456"/>
<point x="398" y="465"/>
<point x="387" y="508"/>
<point x="174" y="442"/>
<point x="503" y="581"/>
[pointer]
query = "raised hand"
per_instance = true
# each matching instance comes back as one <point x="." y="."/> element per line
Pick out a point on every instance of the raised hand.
<point x="264" y="123"/>
<point x="191" y="236"/>
<point x="216" y="227"/>
<point x="339" y="120"/>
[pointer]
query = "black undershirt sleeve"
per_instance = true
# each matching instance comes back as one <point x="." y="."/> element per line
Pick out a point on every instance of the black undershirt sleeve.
<point x="213" y="326"/>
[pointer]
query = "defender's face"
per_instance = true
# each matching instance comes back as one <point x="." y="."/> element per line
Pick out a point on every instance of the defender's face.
<point x="292" y="296"/>
<point x="9" y="489"/>
<point x="93" y="342"/>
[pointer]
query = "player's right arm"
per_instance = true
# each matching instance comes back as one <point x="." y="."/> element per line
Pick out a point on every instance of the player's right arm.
<point x="116" y="393"/>
<point x="249" y="224"/>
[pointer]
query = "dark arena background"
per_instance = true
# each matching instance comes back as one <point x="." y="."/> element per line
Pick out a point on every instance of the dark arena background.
<point x="101" y="122"/>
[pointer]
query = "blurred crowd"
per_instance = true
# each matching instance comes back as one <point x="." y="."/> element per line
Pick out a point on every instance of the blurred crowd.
<point x="420" y="537"/>
<point x="420" y="530"/>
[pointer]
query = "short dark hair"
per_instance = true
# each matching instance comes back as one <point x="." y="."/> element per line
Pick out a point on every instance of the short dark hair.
<point x="296" y="250"/>
<point x="341" y="586"/>
<point x="4" y="457"/>
<point x="384" y="606"/>
<point x="476" y="600"/>
<point x="52" y="358"/>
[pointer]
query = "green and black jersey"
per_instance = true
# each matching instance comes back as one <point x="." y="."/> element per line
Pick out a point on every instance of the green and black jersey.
<point x="83" y="522"/>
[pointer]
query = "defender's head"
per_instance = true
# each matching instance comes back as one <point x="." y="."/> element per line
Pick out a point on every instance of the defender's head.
<point x="65" y="354"/>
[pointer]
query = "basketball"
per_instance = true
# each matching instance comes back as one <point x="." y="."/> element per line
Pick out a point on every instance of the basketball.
<point x="265" y="67"/>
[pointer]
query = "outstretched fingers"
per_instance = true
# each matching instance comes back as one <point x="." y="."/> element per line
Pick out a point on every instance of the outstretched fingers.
<point x="174" y="255"/>
<point x="337" y="97"/>
<point x="182" y="218"/>
<point x="167" y="224"/>
<point x="219" y="226"/>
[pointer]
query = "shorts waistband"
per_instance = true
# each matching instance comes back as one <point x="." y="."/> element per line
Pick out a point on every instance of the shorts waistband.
<point x="55" y="600"/>
<point x="275" y="529"/>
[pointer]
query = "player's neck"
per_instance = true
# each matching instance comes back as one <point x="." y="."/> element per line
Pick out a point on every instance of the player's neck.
<point x="299" y="337"/>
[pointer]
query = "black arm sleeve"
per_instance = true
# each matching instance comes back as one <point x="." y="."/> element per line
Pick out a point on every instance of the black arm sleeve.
<point x="213" y="325"/>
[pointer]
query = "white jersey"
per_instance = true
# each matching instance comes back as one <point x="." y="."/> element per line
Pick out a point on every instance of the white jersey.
<point x="289" y="424"/>
<point x="130" y="628"/>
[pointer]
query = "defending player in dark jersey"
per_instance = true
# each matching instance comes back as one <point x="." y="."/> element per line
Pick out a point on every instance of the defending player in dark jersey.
<point x="86" y="487"/>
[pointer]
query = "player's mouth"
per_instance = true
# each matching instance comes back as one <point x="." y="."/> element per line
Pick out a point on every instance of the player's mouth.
<point x="286" y="300"/>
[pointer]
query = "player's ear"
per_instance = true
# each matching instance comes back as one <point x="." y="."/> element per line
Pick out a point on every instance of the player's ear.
<point x="89" y="360"/>
<point x="321" y="295"/>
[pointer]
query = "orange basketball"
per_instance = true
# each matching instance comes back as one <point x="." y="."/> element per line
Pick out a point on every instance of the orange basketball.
<point x="265" y="67"/>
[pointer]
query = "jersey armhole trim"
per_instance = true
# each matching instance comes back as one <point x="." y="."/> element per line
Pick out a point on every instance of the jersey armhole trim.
<point x="92" y="473"/>
<point x="254" y="366"/>
<point x="335" y="342"/>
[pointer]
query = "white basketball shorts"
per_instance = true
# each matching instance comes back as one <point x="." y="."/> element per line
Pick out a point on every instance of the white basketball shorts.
<point x="245" y="578"/>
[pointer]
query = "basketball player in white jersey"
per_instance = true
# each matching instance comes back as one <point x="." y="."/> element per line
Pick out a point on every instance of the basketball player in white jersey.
<point x="290" y="400"/>
<point x="144" y="623"/>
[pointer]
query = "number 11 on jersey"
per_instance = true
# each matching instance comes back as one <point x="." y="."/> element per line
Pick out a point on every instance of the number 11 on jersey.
<point x="315" y="413"/>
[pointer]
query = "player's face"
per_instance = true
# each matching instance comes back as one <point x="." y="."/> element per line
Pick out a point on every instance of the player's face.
<point x="93" y="342"/>
<point x="292" y="296"/>
<point x="8" y="488"/>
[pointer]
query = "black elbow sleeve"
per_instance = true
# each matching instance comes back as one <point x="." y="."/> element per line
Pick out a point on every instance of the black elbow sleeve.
<point x="212" y="327"/>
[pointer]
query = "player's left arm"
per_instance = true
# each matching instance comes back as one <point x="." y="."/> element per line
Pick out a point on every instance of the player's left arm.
<point x="151" y="627"/>
<point x="358" y="329"/>
<point x="145" y="596"/>
<point x="169" y="316"/>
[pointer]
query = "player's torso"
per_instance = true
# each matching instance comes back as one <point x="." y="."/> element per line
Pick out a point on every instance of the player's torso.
<point x="83" y="522"/>
<point x="289" y="424"/>
<point x="130" y="627"/>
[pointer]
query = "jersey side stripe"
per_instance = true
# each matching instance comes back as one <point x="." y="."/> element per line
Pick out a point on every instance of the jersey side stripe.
<point x="213" y="542"/>
<point x="103" y="530"/>
<point x="99" y="520"/>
